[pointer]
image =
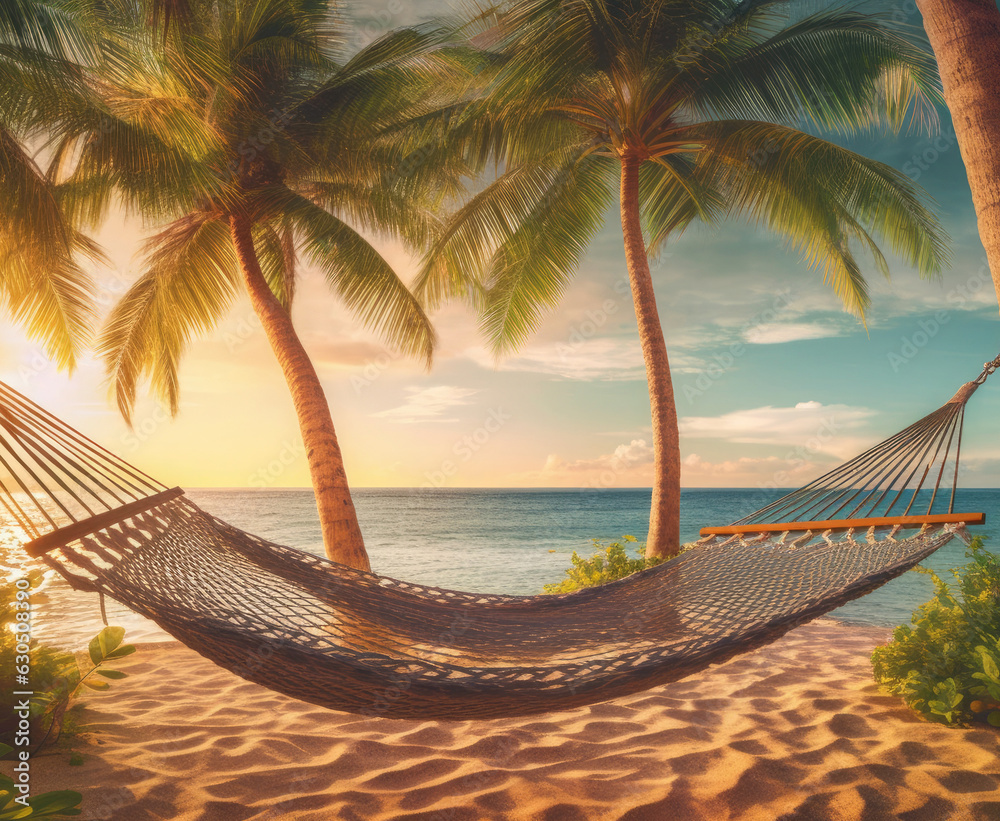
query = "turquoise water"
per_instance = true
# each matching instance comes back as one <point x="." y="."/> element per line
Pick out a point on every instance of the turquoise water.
<point x="514" y="541"/>
<point x="485" y="540"/>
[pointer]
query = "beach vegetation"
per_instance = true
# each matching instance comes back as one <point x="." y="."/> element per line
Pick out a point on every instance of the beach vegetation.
<point x="608" y="563"/>
<point x="678" y="112"/>
<point x="946" y="666"/>
<point x="54" y="676"/>
<point x="44" y="280"/>
<point x="53" y="804"/>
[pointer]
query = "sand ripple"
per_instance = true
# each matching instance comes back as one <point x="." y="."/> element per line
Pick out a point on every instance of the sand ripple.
<point x="796" y="731"/>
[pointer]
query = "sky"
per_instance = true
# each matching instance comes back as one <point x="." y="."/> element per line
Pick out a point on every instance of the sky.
<point x="775" y="383"/>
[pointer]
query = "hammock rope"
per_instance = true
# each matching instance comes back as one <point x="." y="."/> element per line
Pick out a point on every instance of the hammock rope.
<point x="354" y="641"/>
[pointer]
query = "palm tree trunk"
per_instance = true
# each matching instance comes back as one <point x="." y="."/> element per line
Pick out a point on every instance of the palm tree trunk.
<point x="338" y="519"/>
<point x="965" y="36"/>
<point x="664" y="515"/>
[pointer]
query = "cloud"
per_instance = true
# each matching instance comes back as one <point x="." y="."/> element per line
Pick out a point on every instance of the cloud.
<point x="745" y="471"/>
<point x="809" y="425"/>
<point x="631" y="465"/>
<point x="625" y="456"/>
<point x="347" y="353"/>
<point x="777" y="333"/>
<point x="700" y="323"/>
<point x="628" y="465"/>
<point x="645" y="430"/>
<point x="428" y="405"/>
<point x="966" y="287"/>
<point x="601" y="359"/>
<point x="979" y="470"/>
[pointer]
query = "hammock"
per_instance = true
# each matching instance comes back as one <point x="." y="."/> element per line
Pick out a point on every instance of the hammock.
<point x="348" y="640"/>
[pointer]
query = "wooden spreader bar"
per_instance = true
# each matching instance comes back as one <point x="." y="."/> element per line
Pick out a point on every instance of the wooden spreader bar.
<point x="846" y="524"/>
<point x="77" y="530"/>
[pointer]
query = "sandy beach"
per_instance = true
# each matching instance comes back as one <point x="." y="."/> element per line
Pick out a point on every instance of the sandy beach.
<point x="796" y="730"/>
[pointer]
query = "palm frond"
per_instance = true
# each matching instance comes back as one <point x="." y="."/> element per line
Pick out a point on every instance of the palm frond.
<point x="45" y="287"/>
<point x="457" y="263"/>
<point x="820" y="197"/>
<point x="59" y="29"/>
<point x="672" y="193"/>
<point x="393" y="79"/>
<point x="379" y="208"/>
<point x="359" y="275"/>
<point x="189" y="282"/>
<point x="528" y="273"/>
<point x="275" y="247"/>
<point x="152" y="177"/>
<point x="651" y="78"/>
<point x="836" y="69"/>
<point x="29" y="206"/>
<point x="51" y="296"/>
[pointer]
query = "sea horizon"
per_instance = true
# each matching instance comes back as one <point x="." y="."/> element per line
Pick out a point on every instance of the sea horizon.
<point x="518" y="488"/>
<point x="491" y="540"/>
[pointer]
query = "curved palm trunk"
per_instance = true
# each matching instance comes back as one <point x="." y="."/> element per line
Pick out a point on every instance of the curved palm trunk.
<point x="664" y="515"/>
<point x="341" y="533"/>
<point x="965" y="36"/>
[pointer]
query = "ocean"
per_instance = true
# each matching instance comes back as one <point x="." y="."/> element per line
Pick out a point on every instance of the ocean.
<point x="483" y="540"/>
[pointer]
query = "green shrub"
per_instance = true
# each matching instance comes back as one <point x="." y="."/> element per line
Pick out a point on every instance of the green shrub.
<point x="45" y="805"/>
<point x="55" y="676"/>
<point x="947" y="666"/>
<point x="606" y="565"/>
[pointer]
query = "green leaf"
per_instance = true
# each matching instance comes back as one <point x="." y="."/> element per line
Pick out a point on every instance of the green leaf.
<point x="105" y="642"/>
<point x="96" y="685"/>
<point x="58" y="802"/>
<point x="948" y="659"/>
<point x="121" y="652"/>
<point x="989" y="664"/>
<point x="994" y="718"/>
<point x="113" y="674"/>
<point x="188" y="285"/>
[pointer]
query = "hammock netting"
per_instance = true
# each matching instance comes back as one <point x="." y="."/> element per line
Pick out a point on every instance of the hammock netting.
<point x="348" y="640"/>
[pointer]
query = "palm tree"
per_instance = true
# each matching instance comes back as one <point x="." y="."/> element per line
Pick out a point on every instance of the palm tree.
<point x="253" y="144"/>
<point x="41" y="277"/>
<point x="965" y="37"/>
<point x="688" y="109"/>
